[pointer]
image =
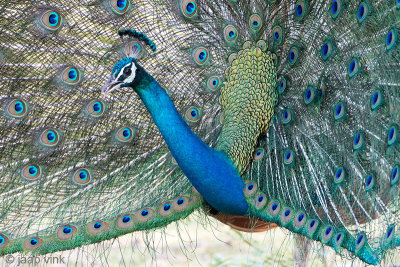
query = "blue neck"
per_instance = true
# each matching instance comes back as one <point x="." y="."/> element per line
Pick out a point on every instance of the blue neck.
<point x="210" y="171"/>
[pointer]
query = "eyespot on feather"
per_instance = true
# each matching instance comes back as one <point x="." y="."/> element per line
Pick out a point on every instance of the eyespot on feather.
<point x="32" y="243"/>
<point x="361" y="240"/>
<point x="31" y="172"/>
<point x="125" y="134"/>
<point x="17" y="108"/>
<point x="354" y="67"/>
<point x="230" y="33"/>
<point x="326" y="233"/>
<point x="339" y="111"/>
<point x="51" y="20"/>
<point x="144" y="215"/>
<point x="300" y="220"/>
<point x="363" y="11"/>
<point x="339" y="237"/>
<point x="66" y="232"/>
<point x="286" y="215"/>
<point x="336" y="8"/>
<point x="165" y="209"/>
<point x="277" y="34"/>
<point x="82" y="176"/>
<point x="293" y="55"/>
<point x="125" y="221"/>
<point x="71" y="76"/>
<point x="200" y="55"/>
<point x="369" y="181"/>
<point x="120" y="7"/>
<point x="3" y="241"/>
<point x="96" y="108"/>
<point x="258" y="154"/>
<point x="246" y="45"/>
<point x="358" y="141"/>
<point x="193" y="114"/>
<point x="262" y="45"/>
<point x="301" y="9"/>
<point x="232" y="57"/>
<point x="49" y="137"/>
<point x="391" y="39"/>
<point x="96" y="227"/>
<point x="309" y="95"/>
<point x="340" y="175"/>
<point x="289" y="158"/>
<point x="260" y="200"/>
<point x="255" y="22"/>
<point x="312" y="226"/>
<point x="395" y="175"/>
<point x="273" y="208"/>
<point x="189" y="8"/>
<point x="275" y="59"/>
<point x="327" y="49"/>
<point x="213" y="83"/>
<point x="393" y="135"/>
<point x="282" y="84"/>
<point x="134" y="49"/>
<point x="390" y="234"/>
<point x="287" y="116"/>
<point x="180" y="203"/>
<point x="376" y="99"/>
<point x="250" y="189"/>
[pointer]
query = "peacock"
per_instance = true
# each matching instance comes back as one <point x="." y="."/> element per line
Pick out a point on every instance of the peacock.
<point x="126" y="115"/>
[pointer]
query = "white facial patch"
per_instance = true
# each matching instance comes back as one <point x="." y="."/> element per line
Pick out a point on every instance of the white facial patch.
<point x="131" y="77"/>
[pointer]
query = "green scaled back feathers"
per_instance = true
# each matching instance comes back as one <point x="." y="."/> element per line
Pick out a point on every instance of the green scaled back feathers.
<point x="77" y="167"/>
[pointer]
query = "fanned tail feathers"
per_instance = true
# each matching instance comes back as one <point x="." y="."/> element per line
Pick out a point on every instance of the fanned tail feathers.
<point x="78" y="168"/>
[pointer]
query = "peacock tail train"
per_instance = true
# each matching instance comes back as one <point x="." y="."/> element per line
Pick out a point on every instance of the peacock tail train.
<point x="317" y="144"/>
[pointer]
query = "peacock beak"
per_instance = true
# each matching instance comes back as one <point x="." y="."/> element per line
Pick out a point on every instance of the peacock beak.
<point x="110" y="86"/>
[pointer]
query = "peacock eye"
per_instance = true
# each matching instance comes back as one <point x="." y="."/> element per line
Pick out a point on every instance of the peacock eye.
<point x="71" y="76"/>
<point x="17" y="108"/>
<point x="362" y="12"/>
<point x="230" y="33"/>
<point x="31" y="172"/>
<point x="120" y="7"/>
<point x="51" y="20"/>
<point x="262" y="45"/>
<point x="213" y="83"/>
<point x="293" y="55"/>
<point x="125" y="134"/>
<point x="301" y="9"/>
<point x="82" y="176"/>
<point x="127" y="72"/>
<point x="134" y="49"/>
<point x="66" y="232"/>
<point x="255" y="22"/>
<point x="277" y="33"/>
<point x="49" y="137"/>
<point x="96" y="108"/>
<point x="200" y="55"/>
<point x="189" y="8"/>
<point x="193" y="114"/>
<point x="336" y="8"/>
<point x="326" y="50"/>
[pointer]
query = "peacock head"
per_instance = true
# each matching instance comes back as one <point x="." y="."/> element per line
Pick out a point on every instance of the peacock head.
<point x="127" y="72"/>
<point x="124" y="74"/>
